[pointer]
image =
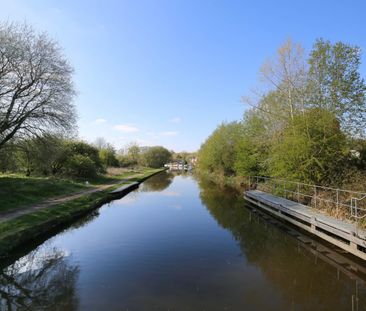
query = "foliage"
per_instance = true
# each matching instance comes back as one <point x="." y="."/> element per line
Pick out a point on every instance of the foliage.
<point x="125" y="161"/>
<point x="218" y="153"/>
<point x="108" y="156"/>
<point x="156" y="156"/>
<point x="8" y="158"/>
<point x="133" y="153"/>
<point x="79" y="165"/>
<point x="41" y="155"/>
<point x="85" y="155"/>
<point x="36" y="84"/>
<point x="312" y="150"/>
<point x="307" y="124"/>
<point x="335" y="83"/>
<point x="252" y="151"/>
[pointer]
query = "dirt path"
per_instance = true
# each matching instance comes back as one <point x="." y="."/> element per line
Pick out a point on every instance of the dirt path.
<point x="5" y="216"/>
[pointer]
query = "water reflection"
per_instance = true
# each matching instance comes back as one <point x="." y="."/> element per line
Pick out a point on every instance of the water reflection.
<point x="42" y="280"/>
<point x="302" y="274"/>
<point x="159" y="183"/>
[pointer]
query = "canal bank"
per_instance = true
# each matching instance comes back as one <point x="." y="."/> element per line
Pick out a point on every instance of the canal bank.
<point x="23" y="229"/>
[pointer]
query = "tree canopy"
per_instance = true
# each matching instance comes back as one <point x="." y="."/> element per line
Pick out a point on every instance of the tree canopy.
<point x="36" y="87"/>
<point x="156" y="156"/>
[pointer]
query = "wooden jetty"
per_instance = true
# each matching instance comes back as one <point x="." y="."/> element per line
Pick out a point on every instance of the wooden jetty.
<point x="342" y="234"/>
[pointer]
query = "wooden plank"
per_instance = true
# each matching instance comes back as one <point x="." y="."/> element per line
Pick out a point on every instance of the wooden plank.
<point x="295" y="207"/>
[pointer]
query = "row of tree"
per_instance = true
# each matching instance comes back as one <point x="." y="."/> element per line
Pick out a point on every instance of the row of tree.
<point x="51" y="155"/>
<point x="306" y="122"/>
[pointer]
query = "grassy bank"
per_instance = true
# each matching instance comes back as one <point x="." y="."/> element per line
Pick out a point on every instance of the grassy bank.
<point x="17" y="191"/>
<point x="14" y="233"/>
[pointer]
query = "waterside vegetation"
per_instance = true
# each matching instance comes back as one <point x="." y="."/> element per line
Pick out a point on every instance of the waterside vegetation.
<point x="306" y="124"/>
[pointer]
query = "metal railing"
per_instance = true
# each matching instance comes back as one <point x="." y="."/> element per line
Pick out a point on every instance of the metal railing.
<point x="340" y="203"/>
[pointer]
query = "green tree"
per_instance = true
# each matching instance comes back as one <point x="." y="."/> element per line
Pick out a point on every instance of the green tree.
<point x="41" y="155"/>
<point x="133" y="153"/>
<point x="9" y="158"/>
<point x="156" y="156"/>
<point x="252" y="150"/>
<point x="335" y="83"/>
<point x="313" y="150"/>
<point x="108" y="156"/>
<point x="218" y="153"/>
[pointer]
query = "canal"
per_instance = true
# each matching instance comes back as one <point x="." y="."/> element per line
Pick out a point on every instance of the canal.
<point x="178" y="243"/>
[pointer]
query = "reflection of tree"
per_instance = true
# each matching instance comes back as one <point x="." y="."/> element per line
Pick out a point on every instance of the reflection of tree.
<point x="42" y="280"/>
<point x="158" y="182"/>
<point x="297" y="274"/>
<point x="182" y="173"/>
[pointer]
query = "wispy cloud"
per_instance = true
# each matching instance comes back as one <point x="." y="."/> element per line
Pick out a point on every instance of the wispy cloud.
<point x="175" y="120"/>
<point x="99" y="121"/>
<point x="126" y="128"/>
<point x="169" y="133"/>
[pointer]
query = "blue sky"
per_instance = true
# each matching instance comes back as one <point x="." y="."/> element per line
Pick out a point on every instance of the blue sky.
<point x="168" y="72"/>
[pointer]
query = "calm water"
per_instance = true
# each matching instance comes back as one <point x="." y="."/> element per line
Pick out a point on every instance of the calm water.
<point x="180" y="244"/>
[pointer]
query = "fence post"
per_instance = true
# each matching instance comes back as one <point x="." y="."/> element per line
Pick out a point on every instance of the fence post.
<point x="337" y="202"/>
<point x="315" y="195"/>
<point x="356" y="214"/>
<point x="298" y="192"/>
<point x="351" y="207"/>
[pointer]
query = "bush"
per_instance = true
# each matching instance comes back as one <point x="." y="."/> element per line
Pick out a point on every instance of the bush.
<point x="312" y="149"/>
<point x="252" y="149"/>
<point x="79" y="165"/>
<point x="107" y="157"/>
<point x="156" y="157"/>
<point x="218" y="153"/>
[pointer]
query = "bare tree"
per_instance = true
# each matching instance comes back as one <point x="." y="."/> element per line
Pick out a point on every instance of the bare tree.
<point x="36" y="88"/>
<point x="285" y="78"/>
<point x="287" y="73"/>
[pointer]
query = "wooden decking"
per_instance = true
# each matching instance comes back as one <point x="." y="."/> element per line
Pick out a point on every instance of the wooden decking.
<point x="344" y="235"/>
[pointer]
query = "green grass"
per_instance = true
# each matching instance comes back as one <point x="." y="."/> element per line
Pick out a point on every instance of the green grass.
<point x="18" y="191"/>
<point x="22" y="229"/>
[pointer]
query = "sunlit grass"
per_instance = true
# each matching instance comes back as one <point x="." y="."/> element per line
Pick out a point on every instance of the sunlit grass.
<point x="18" y="191"/>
